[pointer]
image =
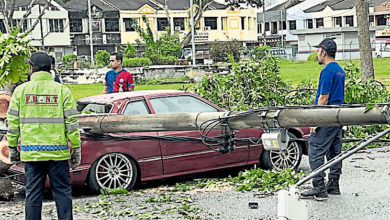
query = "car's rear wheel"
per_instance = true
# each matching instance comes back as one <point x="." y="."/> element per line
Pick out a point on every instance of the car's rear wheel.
<point x="279" y="160"/>
<point x="113" y="170"/>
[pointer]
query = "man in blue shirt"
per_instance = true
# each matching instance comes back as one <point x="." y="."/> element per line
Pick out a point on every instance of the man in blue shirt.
<point x="326" y="141"/>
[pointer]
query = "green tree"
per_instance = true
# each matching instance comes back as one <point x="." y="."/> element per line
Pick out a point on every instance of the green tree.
<point x="165" y="50"/>
<point x="15" y="48"/>
<point x="130" y="51"/>
<point x="102" y="58"/>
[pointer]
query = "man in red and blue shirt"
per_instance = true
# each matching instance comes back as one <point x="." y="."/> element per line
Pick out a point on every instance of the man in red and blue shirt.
<point x="118" y="79"/>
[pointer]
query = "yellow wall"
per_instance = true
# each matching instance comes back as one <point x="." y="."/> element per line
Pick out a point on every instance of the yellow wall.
<point x="232" y="24"/>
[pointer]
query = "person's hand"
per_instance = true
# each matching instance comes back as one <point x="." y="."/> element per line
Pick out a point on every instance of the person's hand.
<point x="14" y="155"/>
<point x="313" y="129"/>
<point x="75" y="159"/>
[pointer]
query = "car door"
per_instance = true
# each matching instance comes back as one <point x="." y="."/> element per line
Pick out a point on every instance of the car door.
<point x="146" y="152"/>
<point x="187" y="156"/>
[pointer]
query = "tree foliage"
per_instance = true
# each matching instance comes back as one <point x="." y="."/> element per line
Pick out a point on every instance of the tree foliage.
<point x="238" y="3"/>
<point x="15" y="48"/>
<point x="220" y="52"/>
<point x="165" y="50"/>
<point x="102" y="58"/>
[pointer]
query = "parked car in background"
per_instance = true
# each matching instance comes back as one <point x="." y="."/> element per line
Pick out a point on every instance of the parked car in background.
<point x="120" y="161"/>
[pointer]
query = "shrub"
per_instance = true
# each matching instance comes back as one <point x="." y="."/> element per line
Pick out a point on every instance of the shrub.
<point x="259" y="52"/>
<point x="220" y="52"/>
<point x="68" y="60"/>
<point x="102" y="58"/>
<point x="137" y="61"/>
<point x="313" y="57"/>
<point x="130" y="51"/>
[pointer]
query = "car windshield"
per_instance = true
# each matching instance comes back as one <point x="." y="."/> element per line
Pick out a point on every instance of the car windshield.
<point x="93" y="108"/>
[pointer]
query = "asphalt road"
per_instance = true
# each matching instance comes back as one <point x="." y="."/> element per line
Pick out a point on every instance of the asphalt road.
<point x="364" y="187"/>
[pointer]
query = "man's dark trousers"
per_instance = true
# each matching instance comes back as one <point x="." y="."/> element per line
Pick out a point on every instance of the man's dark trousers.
<point x="326" y="141"/>
<point x="59" y="176"/>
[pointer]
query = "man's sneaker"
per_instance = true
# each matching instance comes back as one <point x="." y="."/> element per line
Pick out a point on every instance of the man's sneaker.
<point x="319" y="193"/>
<point x="333" y="187"/>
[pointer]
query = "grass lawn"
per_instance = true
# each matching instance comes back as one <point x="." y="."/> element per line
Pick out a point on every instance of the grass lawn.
<point x="291" y="71"/>
<point x="83" y="90"/>
<point x="296" y="71"/>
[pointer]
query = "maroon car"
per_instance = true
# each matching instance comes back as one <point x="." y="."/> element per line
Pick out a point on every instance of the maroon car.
<point x="114" y="161"/>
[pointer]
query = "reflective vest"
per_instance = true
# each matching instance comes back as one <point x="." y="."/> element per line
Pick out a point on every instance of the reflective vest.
<point x="43" y="114"/>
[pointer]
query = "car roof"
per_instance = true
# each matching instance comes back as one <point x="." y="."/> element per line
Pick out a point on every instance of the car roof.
<point x="112" y="97"/>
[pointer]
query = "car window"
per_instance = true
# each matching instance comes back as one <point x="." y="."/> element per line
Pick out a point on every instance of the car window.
<point x="136" y="107"/>
<point x="179" y="104"/>
<point x="93" y="108"/>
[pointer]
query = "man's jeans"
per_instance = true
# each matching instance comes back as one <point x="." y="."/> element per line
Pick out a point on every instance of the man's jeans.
<point x="59" y="177"/>
<point x="325" y="142"/>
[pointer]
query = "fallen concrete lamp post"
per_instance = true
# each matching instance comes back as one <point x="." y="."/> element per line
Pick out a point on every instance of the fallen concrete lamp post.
<point x="274" y="118"/>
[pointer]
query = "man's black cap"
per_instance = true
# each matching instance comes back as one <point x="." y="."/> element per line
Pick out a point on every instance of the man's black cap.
<point x="328" y="45"/>
<point x="40" y="60"/>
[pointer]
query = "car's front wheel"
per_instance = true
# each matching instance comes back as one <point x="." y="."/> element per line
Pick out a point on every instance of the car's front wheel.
<point x="113" y="170"/>
<point x="279" y="160"/>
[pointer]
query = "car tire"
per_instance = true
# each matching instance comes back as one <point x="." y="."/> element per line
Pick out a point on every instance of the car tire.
<point x="112" y="171"/>
<point x="278" y="160"/>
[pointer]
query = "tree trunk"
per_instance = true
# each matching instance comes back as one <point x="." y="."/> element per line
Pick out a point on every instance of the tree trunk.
<point x="366" y="63"/>
<point x="197" y="19"/>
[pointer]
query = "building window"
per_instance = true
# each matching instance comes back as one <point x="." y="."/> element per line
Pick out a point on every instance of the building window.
<point x="292" y="25"/>
<point x="2" y="26"/>
<point x="380" y="20"/>
<point x="96" y="26"/>
<point x="267" y="26"/>
<point x="223" y="23"/>
<point x="210" y="23"/>
<point x="349" y="21"/>
<point x="282" y="25"/>
<point x="242" y="23"/>
<point x="112" y="24"/>
<point x="16" y="22"/>
<point x="309" y="23"/>
<point x="274" y="27"/>
<point x="129" y="24"/>
<point x="178" y="24"/>
<point x="162" y="24"/>
<point x="371" y="18"/>
<point x="337" y="22"/>
<point x="56" y="25"/>
<point x="76" y="25"/>
<point x="259" y="28"/>
<point x="319" y="23"/>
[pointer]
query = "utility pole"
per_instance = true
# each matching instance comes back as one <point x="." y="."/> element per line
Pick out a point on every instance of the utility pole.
<point x="40" y="27"/>
<point x="264" y="42"/>
<point x="281" y="27"/>
<point x="90" y="31"/>
<point x="193" y="32"/>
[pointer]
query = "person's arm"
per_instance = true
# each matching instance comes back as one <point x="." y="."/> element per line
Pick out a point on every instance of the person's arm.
<point x="105" y="90"/>
<point x="130" y="82"/>
<point x="13" y="120"/>
<point x="323" y="99"/>
<point x="72" y="132"/>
